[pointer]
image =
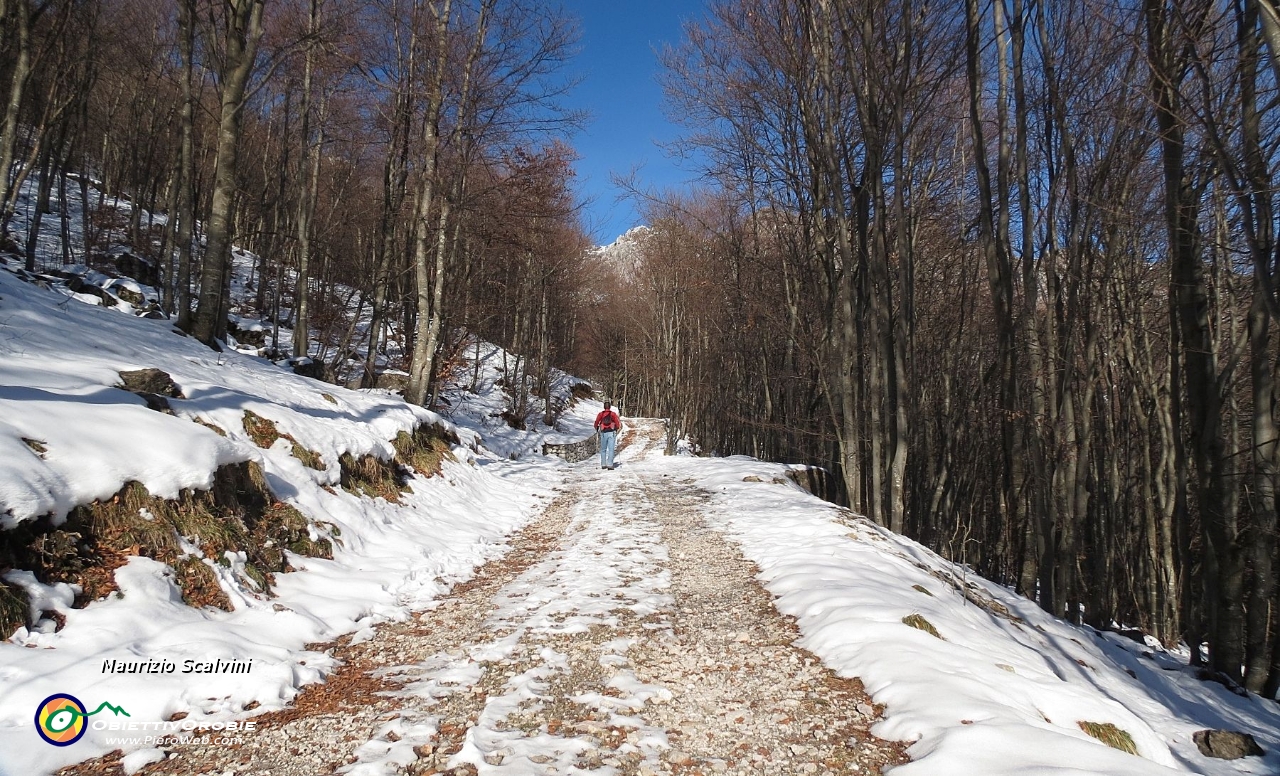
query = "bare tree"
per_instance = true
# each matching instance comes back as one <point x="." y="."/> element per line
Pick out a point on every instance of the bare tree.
<point x="241" y="30"/>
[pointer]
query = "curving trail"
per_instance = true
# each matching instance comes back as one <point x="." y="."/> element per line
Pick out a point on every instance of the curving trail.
<point x="621" y="635"/>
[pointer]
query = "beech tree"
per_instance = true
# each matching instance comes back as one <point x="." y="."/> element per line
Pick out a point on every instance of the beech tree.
<point x="240" y="29"/>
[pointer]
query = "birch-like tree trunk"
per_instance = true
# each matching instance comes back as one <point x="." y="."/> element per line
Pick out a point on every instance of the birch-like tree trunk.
<point x="431" y="304"/>
<point x="186" y="164"/>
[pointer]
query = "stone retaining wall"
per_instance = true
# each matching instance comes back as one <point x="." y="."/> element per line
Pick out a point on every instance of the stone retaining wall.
<point x="574" y="452"/>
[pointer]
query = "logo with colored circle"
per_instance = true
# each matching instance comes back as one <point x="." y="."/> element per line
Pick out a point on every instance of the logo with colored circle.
<point x="60" y="719"/>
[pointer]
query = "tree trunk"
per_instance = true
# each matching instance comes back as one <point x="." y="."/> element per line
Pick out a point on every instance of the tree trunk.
<point x="1257" y="216"/>
<point x="19" y="16"/>
<point x="431" y="308"/>
<point x="394" y="185"/>
<point x="186" y="163"/>
<point x="421" y="361"/>
<point x="309" y="169"/>
<point x="244" y="30"/>
<point x="1188" y="288"/>
<point x="42" y="206"/>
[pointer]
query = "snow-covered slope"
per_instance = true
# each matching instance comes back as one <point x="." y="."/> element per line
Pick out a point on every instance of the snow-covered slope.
<point x="1003" y="688"/>
<point x="481" y="400"/>
<point x="68" y="436"/>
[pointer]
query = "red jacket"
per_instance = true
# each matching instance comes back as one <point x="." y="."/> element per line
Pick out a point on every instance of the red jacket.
<point x="608" y="420"/>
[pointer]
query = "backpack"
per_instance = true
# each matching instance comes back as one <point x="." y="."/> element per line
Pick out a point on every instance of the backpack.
<point x="609" y="422"/>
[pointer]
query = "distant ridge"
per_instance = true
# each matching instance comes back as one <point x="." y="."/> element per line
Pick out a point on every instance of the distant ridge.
<point x="623" y="254"/>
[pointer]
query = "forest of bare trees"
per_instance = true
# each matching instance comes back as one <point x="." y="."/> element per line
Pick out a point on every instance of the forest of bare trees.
<point x="396" y="167"/>
<point x="1009" y="268"/>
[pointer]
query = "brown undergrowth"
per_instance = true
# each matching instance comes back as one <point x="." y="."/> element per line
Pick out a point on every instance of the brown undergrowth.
<point x="373" y="477"/>
<point x="423" y="451"/>
<point x="426" y="449"/>
<point x="264" y="434"/>
<point x="14" y="608"/>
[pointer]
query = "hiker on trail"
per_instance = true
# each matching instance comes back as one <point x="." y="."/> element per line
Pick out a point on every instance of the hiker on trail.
<point x="608" y="424"/>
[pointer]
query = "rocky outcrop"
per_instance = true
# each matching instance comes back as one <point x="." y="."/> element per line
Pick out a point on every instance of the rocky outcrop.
<point x="239" y="514"/>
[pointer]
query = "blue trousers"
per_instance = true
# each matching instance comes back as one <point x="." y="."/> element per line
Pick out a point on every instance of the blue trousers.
<point x="607" y="441"/>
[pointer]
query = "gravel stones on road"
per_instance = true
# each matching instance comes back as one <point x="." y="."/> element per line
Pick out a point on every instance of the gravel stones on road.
<point x="745" y="699"/>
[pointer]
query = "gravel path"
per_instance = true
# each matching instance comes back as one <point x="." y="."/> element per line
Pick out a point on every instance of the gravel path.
<point x="621" y="635"/>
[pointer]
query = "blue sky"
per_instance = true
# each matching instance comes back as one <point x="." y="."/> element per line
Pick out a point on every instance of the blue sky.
<point x="619" y="63"/>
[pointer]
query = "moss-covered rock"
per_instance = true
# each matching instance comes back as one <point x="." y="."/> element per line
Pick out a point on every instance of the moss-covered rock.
<point x="155" y="381"/>
<point x="1227" y="744"/>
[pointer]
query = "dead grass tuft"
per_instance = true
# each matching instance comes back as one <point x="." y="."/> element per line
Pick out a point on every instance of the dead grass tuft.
<point x="1110" y="735"/>
<point x="371" y="476"/>
<point x="971" y="592"/>
<point x="36" y="446"/>
<point x="328" y="398"/>
<point x="426" y="449"/>
<point x="199" y="584"/>
<point x="15" y="609"/>
<point x="212" y="427"/>
<point x="287" y="528"/>
<point x="922" y="589"/>
<point x="310" y="458"/>
<point x="920" y="623"/>
<point x="263" y="432"/>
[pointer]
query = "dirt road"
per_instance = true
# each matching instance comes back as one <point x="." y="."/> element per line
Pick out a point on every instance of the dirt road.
<point x="620" y="635"/>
